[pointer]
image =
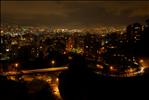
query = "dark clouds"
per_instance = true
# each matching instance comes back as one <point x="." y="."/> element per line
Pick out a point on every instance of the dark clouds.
<point x="73" y="13"/>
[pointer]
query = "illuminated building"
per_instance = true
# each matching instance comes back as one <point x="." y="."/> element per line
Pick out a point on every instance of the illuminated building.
<point x="134" y="32"/>
<point x="69" y="44"/>
<point x="91" y="44"/>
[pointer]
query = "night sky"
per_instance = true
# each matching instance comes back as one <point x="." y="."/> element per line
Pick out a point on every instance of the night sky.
<point x="74" y="13"/>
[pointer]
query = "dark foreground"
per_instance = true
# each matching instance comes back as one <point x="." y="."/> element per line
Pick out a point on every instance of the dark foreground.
<point x="91" y="89"/>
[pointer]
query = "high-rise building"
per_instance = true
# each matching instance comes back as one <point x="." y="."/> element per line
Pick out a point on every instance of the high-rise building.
<point x="134" y="32"/>
<point x="92" y="44"/>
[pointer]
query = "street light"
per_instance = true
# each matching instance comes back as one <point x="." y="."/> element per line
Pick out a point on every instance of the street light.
<point x="16" y="65"/>
<point x="111" y="67"/>
<point x="53" y="62"/>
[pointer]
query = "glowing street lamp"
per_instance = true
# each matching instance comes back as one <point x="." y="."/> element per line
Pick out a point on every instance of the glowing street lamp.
<point x="53" y="62"/>
<point x="16" y="65"/>
<point x="111" y="67"/>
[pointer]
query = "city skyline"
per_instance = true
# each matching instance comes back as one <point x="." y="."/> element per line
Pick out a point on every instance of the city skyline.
<point x="74" y="14"/>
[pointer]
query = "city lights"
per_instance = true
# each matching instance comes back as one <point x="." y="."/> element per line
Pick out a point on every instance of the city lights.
<point x="111" y="67"/>
<point x="7" y="50"/>
<point x="100" y="47"/>
<point x="78" y="50"/>
<point x="2" y="31"/>
<point x="141" y="61"/>
<point x="99" y="66"/>
<point x="70" y="58"/>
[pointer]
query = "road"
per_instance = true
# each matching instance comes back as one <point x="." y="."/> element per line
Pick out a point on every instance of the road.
<point x="55" y="69"/>
<point x="45" y="70"/>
